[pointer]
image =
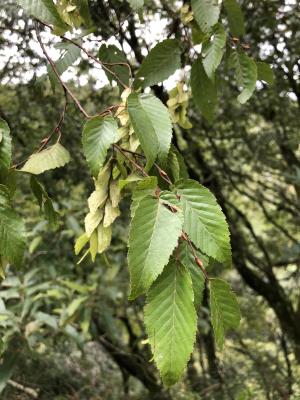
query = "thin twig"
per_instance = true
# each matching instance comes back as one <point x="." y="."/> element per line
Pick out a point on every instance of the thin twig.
<point x="137" y="166"/>
<point x="66" y="88"/>
<point x="185" y="237"/>
<point x="161" y="172"/>
<point x="98" y="61"/>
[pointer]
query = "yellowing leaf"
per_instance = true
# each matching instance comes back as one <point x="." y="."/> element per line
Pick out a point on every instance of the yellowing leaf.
<point x="53" y="157"/>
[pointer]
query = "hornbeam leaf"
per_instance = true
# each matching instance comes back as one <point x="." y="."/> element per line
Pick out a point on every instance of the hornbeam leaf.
<point x="198" y="279"/>
<point x="111" y="54"/>
<point x="154" y="233"/>
<point x="246" y="74"/>
<point x="71" y="54"/>
<point x="206" y="13"/>
<point x="5" y="146"/>
<point x="98" y="135"/>
<point x="225" y="311"/>
<point x="213" y="51"/>
<point x="170" y="320"/>
<point x="204" y="220"/>
<point x="161" y="62"/>
<point x="145" y="187"/>
<point x="235" y="17"/>
<point x="265" y="72"/>
<point x="45" y="10"/>
<point x="53" y="157"/>
<point x="152" y="124"/>
<point x="12" y="231"/>
<point x="204" y="91"/>
<point x="136" y="4"/>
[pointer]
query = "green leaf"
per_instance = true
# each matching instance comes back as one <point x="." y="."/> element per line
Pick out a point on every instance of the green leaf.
<point x="246" y="74"/>
<point x="136" y="4"/>
<point x="145" y="187"/>
<point x="44" y="10"/>
<point x="225" y="311"/>
<point x="265" y="72"/>
<point x="152" y="124"/>
<point x="12" y="231"/>
<point x="44" y="201"/>
<point x="170" y="320"/>
<point x="161" y="62"/>
<point x="111" y="54"/>
<point x="71" y="54"/>
<point x="206" y="13"/>
<point x="213" y="50"/>
<point x="98" y="135"/>
<point x="204" y="91"/>
<point x="235" y="17"/>
<point x="154" y="233"/>
<point x="53" y="157"/>
<point x="204" y="220"/>
<point x="198" y="279"/>
<point x="5" y="146"/>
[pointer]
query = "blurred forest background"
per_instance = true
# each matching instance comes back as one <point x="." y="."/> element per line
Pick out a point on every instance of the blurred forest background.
<point x="68" y="330"/>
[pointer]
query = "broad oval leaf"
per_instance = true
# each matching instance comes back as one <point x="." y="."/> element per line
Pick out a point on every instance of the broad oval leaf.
<point x="112" y="54"/>
<point x="136" y="4"/>
<point x="246" y="74"/>
<point x="204" y="220"/>
<point x="171" y="321"/>
<point x="98" y="135"/>
<point x="206" y="13"/>
<point x="213" y="50"/>
<point x="225" y="311"/>
<point x="144" y="188"/>
<point x="204" y="91"/>
<point x="154" y="233"/>
<point x="46" y="11"/>
<point x="161" y="62"/>
<point x="12" y="233"/>
<point x="5" y="146"/>
<point x="152" y="124"/>
<point x="265" y="72"/>
<point x="70" y="55"/>
<point x="235" y="17"/>
<point x="53" y="157"/>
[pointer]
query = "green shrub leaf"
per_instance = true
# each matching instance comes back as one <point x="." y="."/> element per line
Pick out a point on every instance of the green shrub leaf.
<point x="204" y="91"/>
<point x="45" y="10"/>
<point x="204" y="220"/>
<point x="265" y="72"/>
<point x="98" y="135"/>
<point x="12" y="230"/>
<point x="206" y="13"/>
<point x="225" y="311"/>
<point x="154" y="233"/>
<point x="5" y="146"/>
<point x="235" y="17"/>
<point x="246" y="74"/>
<point x="111" y="54"/>
<point x="170" y="320"/>
<point x="161" y="62"/>
<point x="213" y="50"/>
<point x="152" y="124"/>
